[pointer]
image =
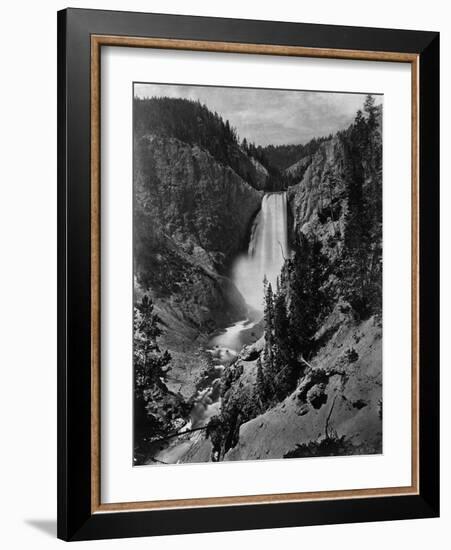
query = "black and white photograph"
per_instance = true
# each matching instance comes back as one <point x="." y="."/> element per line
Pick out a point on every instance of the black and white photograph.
<point x="225" y="294"/>
<point x="257" y="251"/>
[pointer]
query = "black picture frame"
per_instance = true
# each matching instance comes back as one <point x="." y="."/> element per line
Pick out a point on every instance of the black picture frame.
<point x="76" y="521"/>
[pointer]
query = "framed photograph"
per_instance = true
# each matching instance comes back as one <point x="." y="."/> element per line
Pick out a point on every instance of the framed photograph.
<point x="248" y="274"/>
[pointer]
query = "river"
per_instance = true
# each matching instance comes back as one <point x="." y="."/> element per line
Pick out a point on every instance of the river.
<point x="223" y="348"/>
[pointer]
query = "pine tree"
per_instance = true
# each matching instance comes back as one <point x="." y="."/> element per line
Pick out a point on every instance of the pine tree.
<point x="355" y="231"/>
<point x="370" y="110"/>
<point x="150" y="363"/>
<point x="359" y="134"/>
<point x="362" y="252"/>
<point x="284" y="366"/>
<point x="306" y="297"/>
<point x="268" y="315"/>
<point x="374" y="211"/>
<point x="268" y="352"/>
<point x="261" y="389"/>
<point x="299" y="303"/>
<point x="150" y="370"/>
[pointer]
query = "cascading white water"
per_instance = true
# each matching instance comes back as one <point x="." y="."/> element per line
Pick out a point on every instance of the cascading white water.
<point x="268" y="247"/>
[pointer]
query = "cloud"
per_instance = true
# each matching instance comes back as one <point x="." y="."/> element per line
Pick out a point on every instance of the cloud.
<point x="267" y="116"/>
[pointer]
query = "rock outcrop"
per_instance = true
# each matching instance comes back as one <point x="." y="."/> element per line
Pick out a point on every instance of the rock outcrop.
<point x="192" y="217"/>
<point x="297" y="170"/>
<point x="317" y="202"/>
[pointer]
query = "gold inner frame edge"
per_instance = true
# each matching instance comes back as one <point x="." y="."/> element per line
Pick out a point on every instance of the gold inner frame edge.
<point x="97" y="41"/>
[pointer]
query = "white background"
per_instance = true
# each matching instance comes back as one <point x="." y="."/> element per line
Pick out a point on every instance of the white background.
<point x="28" y="276"/>
<point x="120" y="482"/>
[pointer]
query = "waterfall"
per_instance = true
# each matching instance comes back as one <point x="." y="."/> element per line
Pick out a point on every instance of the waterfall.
<point x="268" y="247"/>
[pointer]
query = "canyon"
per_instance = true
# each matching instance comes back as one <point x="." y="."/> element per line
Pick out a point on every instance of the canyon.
<point x="207" y="243"/>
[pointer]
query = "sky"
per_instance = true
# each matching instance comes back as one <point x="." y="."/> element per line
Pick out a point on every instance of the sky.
<point x="267" y="117"/>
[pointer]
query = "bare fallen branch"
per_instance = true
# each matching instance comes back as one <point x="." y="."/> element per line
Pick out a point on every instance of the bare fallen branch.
<point x="328" y="417"/>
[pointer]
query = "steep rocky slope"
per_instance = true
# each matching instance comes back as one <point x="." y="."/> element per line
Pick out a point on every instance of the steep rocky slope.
<point x="192" y="217"/>
<point x="338" y="398"/>
<point x="335" y="409"/>
<point x="317" y="202"/>
<point x="297" y="170"/>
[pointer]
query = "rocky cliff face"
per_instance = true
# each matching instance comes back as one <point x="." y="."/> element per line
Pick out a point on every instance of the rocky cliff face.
<point x="261" y="174"/>
<point x="192" y="217"/>
<point x="317" y="202"/>
<point x="297" y="170"/>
